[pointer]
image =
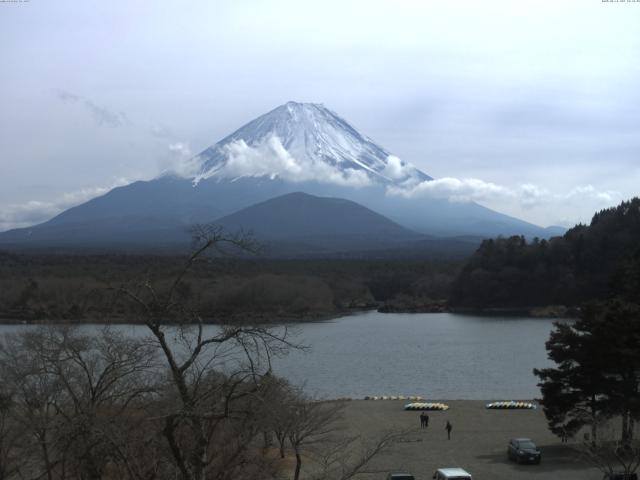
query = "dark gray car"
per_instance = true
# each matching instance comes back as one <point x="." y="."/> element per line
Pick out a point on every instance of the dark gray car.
<point x="523" y="450"/>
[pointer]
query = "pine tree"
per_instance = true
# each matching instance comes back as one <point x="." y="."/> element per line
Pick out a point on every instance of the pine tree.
<point x="597" y="373"/>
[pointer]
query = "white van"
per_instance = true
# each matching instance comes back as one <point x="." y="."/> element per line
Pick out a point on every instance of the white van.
<point x="452" y="474"/>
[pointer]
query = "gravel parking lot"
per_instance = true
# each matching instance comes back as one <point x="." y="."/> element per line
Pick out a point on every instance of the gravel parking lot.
<point x="478" y="441"/>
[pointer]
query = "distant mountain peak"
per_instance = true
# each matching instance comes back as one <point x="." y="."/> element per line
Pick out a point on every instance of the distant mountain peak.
<point x="294" y="104"/>
<point x="298" y="215"/>
<point x="305" y="142"/>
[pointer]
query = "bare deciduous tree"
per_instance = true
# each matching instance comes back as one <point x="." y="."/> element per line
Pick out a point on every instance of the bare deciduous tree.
<point x="10" y="437"/>
<point x="74" y="394"/>
<point x="610" y="453"/>
<point x="187" y="400"/>
<point x="213" y="372"/>
<point x="348" y="457"/>
<point x="311" y="424"/>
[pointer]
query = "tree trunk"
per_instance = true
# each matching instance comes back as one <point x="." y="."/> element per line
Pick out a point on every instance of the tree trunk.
<point x="45" y="455"/>
<point x="296" y="475"/>
<point x="169" y="434"/>
<point x="625" y="428"/>
<point x="281" y="442"/>
<point x="266" y="438"/>
<point x="594" y="435"/>
<point x="200" y="452"/>
<point x="594" y="422"/>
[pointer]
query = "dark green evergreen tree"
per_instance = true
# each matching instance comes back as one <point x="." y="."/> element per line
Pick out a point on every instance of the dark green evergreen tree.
<point x="594" y="262"/>
<point x="572" y="392"/>
<point x="597" y="372"/>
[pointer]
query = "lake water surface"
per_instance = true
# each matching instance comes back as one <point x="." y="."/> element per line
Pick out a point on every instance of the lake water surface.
<point x="435" y="355"/>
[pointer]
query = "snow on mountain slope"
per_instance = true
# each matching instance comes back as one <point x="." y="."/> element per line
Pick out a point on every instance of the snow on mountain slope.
<point x="302" y="142"/>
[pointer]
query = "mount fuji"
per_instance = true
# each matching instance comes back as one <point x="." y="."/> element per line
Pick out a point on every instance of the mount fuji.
<point x="297" y="147"/>
<point x="305" y="141"/>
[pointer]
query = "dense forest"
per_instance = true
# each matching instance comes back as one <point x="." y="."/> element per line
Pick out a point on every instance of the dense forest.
<point x="77" y="288"/>
<point x="590" y="262"/>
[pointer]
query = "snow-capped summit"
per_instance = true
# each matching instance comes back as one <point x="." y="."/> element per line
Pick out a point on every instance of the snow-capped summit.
<point x="304" y="142"/>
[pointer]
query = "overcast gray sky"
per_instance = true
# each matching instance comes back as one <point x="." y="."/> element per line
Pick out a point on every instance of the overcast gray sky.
<point x="533" y="107"/>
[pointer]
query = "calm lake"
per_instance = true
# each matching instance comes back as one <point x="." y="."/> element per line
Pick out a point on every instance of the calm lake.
<point x="435" y="355"/>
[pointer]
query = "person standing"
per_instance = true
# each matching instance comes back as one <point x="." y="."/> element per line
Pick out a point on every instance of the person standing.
<point x="422" y="422"/>
<point x="426" y="420"/>
<point x="448" y="427"/>
<point x="563" y="435"/>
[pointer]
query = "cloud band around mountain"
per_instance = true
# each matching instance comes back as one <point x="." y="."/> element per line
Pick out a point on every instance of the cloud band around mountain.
<point x="474" y="189"/>
<point x="270" y="158"/>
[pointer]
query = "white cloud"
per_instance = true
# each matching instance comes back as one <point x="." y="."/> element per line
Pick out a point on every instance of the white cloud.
<point x="455" y="190"/>
<point x="269" y="157"/>
<point x="35" y="211"/>
<point x="161" y="131"/>
<point x="590" y="192"/>
<point x="514" y="200"/>
<point x="533" y="196"/>
<point x="181" y="161"/>
<point x="395" y="168"/>
<point x="101" y="115"/>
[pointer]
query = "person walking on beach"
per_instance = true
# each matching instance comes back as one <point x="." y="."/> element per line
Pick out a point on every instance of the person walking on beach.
<point x="426" y="420"/>
<point x="448" y="427"/>
<point x="563" y="435"/>
<point x="422" y="420"/>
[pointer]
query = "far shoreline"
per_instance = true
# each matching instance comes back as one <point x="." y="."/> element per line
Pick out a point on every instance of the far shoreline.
<point x="550" y="311"/>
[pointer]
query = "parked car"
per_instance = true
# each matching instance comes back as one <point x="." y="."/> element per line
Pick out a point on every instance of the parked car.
<point x="451" y="474"/>
<point x="400" y="476"/>
<point x="523" y="450"/>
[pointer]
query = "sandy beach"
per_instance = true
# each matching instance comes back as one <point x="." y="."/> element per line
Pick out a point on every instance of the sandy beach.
<point x="478" y="441"/>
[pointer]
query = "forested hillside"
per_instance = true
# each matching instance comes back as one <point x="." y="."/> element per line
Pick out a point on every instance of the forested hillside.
<point x="591" y="262"/>
<point x="76" y="288"/>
